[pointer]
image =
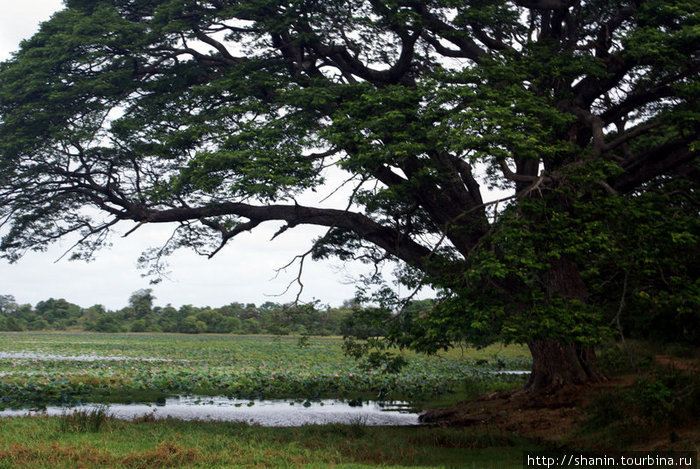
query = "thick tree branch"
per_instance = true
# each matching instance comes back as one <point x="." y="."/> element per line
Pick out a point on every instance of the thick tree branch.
<point x="386" y="238"/>
<point x="348" y="63"/>
<point x="652" y="163"/>
<point x="625" y="137"/>
<point x="468" y="47"/>
<point x="516" y="177"/>
<point x="635" y="100"/>
<point x="225" y="54"/>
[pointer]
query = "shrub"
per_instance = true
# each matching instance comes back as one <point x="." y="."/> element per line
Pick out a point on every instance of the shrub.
<point x="668" y="397"/>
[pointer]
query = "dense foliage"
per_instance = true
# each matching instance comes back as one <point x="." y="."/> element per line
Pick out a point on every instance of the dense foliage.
<point x="218" y="115"/>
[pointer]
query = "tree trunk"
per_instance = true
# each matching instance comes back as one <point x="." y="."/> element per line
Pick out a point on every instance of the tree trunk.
<point x="555" y="364"/>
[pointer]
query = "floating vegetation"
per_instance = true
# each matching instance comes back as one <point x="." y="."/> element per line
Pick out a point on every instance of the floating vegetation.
<point x="148" y="367"/>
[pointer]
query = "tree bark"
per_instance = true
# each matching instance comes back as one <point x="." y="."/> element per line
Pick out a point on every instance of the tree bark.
<point x="554" y="364"/>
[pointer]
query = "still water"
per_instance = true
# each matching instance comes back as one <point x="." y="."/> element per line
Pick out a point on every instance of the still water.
<point x="271" y="413"/>
<point x="75" y="358"/>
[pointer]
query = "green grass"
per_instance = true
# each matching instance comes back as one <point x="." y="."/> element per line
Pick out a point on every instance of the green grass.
<point x="88" y="420"/>
<point x="44" y="443"/>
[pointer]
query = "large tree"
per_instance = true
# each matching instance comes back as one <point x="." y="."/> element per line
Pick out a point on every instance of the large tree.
<point x="215" y="115"/>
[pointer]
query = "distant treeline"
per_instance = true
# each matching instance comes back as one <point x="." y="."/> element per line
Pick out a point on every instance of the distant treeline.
<point x="142" y="316"/>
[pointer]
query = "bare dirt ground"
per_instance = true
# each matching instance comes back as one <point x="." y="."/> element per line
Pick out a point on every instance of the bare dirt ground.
<point x="557" y="418"/>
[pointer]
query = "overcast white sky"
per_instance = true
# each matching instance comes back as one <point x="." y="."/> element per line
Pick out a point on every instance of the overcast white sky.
<point x="244" y="271"/>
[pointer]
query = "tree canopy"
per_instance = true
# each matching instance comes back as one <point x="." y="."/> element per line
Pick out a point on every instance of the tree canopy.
<point x="216" y="115"/>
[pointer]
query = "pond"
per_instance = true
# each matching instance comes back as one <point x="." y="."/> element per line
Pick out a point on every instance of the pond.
<point x="272" y="413"/>
<point x="38" y="370"/>
<point x="74" y="358"/>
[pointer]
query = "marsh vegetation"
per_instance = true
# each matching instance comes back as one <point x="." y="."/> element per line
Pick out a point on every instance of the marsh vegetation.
<point x="648" y="401"/>
<point x="42" y="369"/>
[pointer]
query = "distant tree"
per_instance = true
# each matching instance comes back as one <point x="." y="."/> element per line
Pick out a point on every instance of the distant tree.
<point x="168" y="318"/>
<point x="38" y="324"/>
<point x="215" y="116"/>
<point x="25" y="313"/>
<point x="251" y="326"/>
<point x="141" y="302"/>
<point x="144" y="325"/>
<point x="365" y="323"/>
<point x="7" y="304"/>
<point x="191" y="325"/>
<point x="187" y="310"/>
<point x="231" y="310"/>
<point x="58" y="312"/>
<point x="90" y="316"/>
<point x="108" y="323"/>
<point x="15" y="324"/>
<point x="231" y="325"/>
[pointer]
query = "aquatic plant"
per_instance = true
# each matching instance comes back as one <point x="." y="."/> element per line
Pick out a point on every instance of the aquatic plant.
<point x="128" y="367"/>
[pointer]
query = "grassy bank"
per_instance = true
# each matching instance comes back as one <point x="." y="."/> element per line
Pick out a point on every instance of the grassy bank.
<point x="53" y="443"/>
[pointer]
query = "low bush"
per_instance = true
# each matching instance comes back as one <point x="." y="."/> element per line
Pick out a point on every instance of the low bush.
<point x="665" y="398"/>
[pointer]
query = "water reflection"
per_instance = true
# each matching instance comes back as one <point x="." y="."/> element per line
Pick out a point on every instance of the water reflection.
<point x="78" y="358"/>
<point x="271" y="413"/>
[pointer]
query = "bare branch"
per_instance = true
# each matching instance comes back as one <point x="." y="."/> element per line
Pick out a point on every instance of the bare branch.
<point x="297" y="279"/>
<point x="91" y="231"/>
